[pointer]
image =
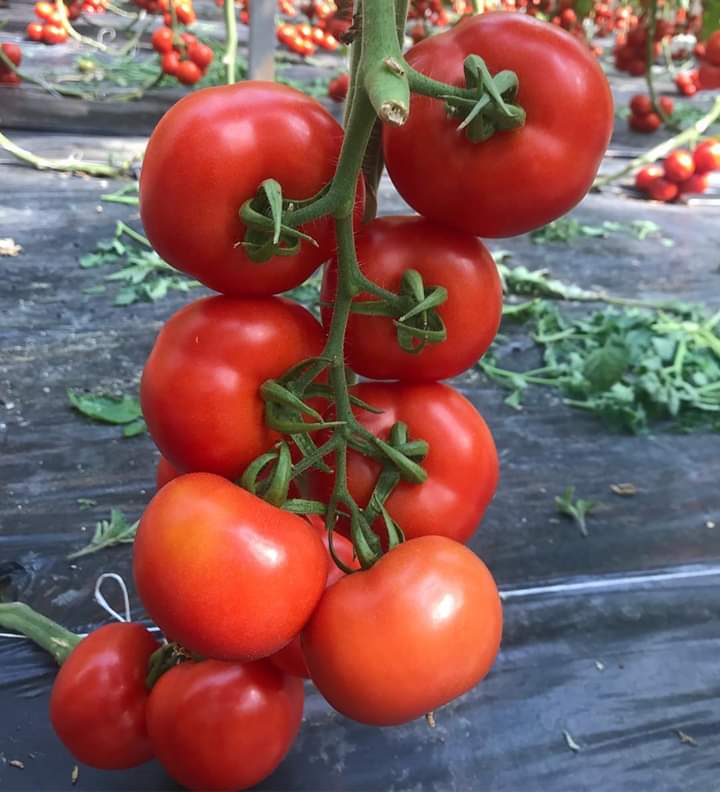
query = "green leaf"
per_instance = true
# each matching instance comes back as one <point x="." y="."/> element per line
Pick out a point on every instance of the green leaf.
<point x="108" y="533"/>
<point x="576" y="509"/>
<point x="606" y="366"/>
<point x="106" y="408"/>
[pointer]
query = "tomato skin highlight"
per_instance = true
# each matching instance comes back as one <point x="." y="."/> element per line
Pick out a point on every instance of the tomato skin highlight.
<point x="209" y="154"/>
<point x="459" y="262"/>
<point x="224" y="573"/>
<point x="520" y="179"/>
<point x="462" y="463"/>
<point x="679" y="166"/>
<point x="98" y="700"/>
<point x="223" y="726"/>
<point x="290" y="658"/>
<point x="200" y="389"/>
<point x="418" y="629"/>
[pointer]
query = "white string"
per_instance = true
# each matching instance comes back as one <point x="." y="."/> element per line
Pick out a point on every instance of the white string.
<point x="103" y="603"/>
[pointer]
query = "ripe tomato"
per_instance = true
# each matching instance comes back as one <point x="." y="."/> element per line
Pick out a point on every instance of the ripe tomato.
<point x="200" y="54"/>
<point x="520" y="179"/>
<point x="697" y="183"/>
<point x="290" y="658"/>
<point x="209" y="154"/>
<point x="188" y="72"/>
<point x="712" y="49"/>
<point x="45" y="10"/>
<point x="462" y="463"/>
<point x="641" y="105"/>
<point x="162" y="39"/>
<point x="708" y="76"/>
<point x="12" y="52"/>
<point x="165" y="472"/>
<point x="54" y="34"/>
<point x="663" y="190"/>
<point x="666" y="105"/>
<point x="647" y="175"/>
<point x="418" y="629"/>
<point x="223" y="726"/>
<point x="338" y="88"/>
<point x="34" y="31"/>
<point x="97" y="704"/>
<point x="707" y="156"/>
<point x="200" y="387"/>
<point x="459" y="262"/>
<point x="645" y="123"/>
<point x="224" y="573"/>
<point x="679" y="165"/>
<point x="170" y="62"/>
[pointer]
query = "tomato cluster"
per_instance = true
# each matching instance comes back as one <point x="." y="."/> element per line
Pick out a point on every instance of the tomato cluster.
<point x="643" y="117"/>
<point x="682" y="172"/>
<point x="51" y="28"/>
<point x="631" y="49"/>
<point x="13" y="53"/>
<point x="181" y="55"/>
<point x="184" y="11"/>
<point x="304" y="39"/>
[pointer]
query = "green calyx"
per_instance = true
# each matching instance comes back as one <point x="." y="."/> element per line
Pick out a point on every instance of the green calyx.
<point x="266" y="235"/>
<point x="490" y="108"/>
<point x="417" y="323"/>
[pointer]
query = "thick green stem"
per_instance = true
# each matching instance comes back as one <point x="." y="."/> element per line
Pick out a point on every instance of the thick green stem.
<point x="231" y="41"/>
<point x="47" y="634"/>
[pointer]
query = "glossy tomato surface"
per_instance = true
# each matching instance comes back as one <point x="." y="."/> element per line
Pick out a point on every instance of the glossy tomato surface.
<point x="386" y="248"/>
<point x="209" y="154"/>
<point x="418" y="629"/>
<point x="164" y="472"/>
<point x="200" y="389"/>
<point x="290" y="658"/>
<point x="98" y="700"/>
<point x="462" y="463"/>
<point x="223" y="726"/>
<point x="224" y="573"/>
<point x="519" y="179"/>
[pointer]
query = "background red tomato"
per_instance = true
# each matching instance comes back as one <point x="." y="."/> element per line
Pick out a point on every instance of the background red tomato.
<point x="223" y="726"/>
<point x="418" y="629"/>
<point x="209" y="154"/>
<point x="459" y="262"/>
<point x="462" y="463"/>
<point x="200" y="387"/>
<point x="521" y="179"/>
<point x="98" y="700"/>
<point x="224" y="573"/>
<point x="290" y="659"/>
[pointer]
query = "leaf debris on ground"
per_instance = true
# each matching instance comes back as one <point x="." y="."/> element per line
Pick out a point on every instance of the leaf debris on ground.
<point x="626" y="489"/>
<point x="108" y="533"/>
<point x="576" y="509"/>
<point x="686" y="739"/>
<point x="8" y="247"/>
<point x="17" y="764"/>
<point x="567" y="229"/>
<point x="122" y="410"/>
<point x="74" y="774"/>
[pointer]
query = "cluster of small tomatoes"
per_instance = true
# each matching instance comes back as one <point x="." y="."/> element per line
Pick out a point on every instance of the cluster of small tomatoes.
<point x="14" y="54"/>
<point x="682" y="172"/>
<point x="304" y="38"/>
<point x="246" y="590"/>
<point x="707" y="75"/>
<point x="51" y="28"/>
<point x="643" y="117"/>
<point x="184" y="11"/>
<point x="631" y="49"/>
<point x="181" y="55"/>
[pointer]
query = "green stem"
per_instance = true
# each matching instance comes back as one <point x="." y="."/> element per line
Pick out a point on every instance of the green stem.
<point x="650" y="60"/>
<point x="47" y="634"/>
<point x="686" y="137"/>
<point x="231" y="43"/>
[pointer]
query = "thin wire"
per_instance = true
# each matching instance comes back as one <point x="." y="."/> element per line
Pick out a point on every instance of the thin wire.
<point x="103" y="603"/>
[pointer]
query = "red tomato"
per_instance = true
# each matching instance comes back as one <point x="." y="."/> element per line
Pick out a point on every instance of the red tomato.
<point x="223" y="572"/>
<point x="520" y="179"/>
<point x="209" y="154"/>
<point x="707" y="156"/>
<point x="9" y="78"/>
<point x="641" y="105"/>
<point x="97" y="704"/>
<point x="54" y="34"/>
<point x="200" y="54"/>
<point x="462" y="464"/>
<point x="679" y="165"/>
<point x="712" y="49"/>
<point x="290" y="658"/>
<point x="188" y="72"/>
<point x="34" y="31"/>
<point x="698" y="183"/>
<point x="45" y="10"/>
<point x="459" y="262"/>
<point x="647" y="123"/>
<point x="647" y="175"/>
<point x="338" y="88"/>
<point x="223" y="726"/>
<point x="165" y="472"/>
<point x="636" y="67"/>
<point x="418" y="629"/>
<point x="666" y="105"/>
<point x="12" y="52"/>
<point x="663" y="190"/>
<point x="162" y="39"/>
<point x="708" y="76"/>
<point x="200" y="386"/>
<point x="170" y="62"/>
